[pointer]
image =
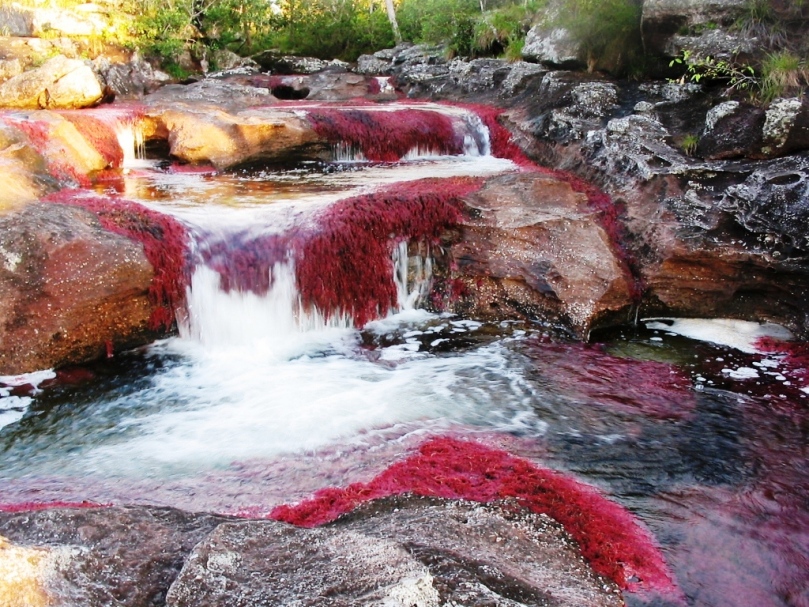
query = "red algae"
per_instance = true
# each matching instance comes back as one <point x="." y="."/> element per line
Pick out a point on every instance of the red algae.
<point x="609" y="537"/>
<point x="39" y="135"/>
<point x="345" y="265"/>
<point x="98" y="133"/>
<point x="164" y="241"/>
<point x="387" y="136"/>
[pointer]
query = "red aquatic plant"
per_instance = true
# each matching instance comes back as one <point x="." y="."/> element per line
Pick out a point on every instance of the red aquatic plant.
<point x="33" y="506"/>
<point x="164" y="241"/>
<point x="98" y="133"/>
<point x="608" y="535"/>
<point x="387" y="136"/>
<point x="344" y="264"/>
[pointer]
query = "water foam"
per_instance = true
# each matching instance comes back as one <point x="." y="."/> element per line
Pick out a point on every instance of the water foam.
<point x="739" y="334"/>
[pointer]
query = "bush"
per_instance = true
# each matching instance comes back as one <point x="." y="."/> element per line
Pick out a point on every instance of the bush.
<point x="607" y="31"/>
<point x="782" y="73"/>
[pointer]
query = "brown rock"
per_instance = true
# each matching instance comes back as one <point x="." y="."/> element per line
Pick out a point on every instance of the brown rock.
<point x="22" y="171"/>
<point x="225" y="140"/>
<point x="68" y="289"/>
<point x="532" y="247"/>
<point x="60" y="83"/>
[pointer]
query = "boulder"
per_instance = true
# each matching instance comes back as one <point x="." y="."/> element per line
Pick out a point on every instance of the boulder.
<point x="60" y="83"/>
<point x="400" y="551"/>
<point x="786" y="127"/>
<point x="284" y="65"/>
<point x="23" y="172"/>
<point x="131" y="79"/>
<point x="227" y="140"/>
<point x="732" y="130"/>
<point x="125" y="556"/>
<point x="10" y="68"/>
<point x="69" y="290"/>
<point x="662" y="19"/>
<point x="533" y="247"/>
<point x="372" y="66"/>
<point x="553" y="47"/>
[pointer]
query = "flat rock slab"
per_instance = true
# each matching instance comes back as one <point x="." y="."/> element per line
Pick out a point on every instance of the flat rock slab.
<point x="399" y="551"/>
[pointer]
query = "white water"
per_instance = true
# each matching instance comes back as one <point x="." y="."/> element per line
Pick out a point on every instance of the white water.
<point x="739" y="334"/>
<point x="130" y="138"/>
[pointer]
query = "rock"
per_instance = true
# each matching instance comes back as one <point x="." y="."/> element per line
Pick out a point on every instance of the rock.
<point x="786" y="126"/>
<point x="662" y="19"/>
<point x="10" y="68"/>
<point x="532" y="247"/>
<point x="225" y="60"/>
<point x="732" y="130"/>
<point x="124" y="556"/>
<point x="227" y="140"/>
<point x="16" y="21"/>
<point x="479" y="75"/>
<point x="224" y="93"/>
<point x="287" y="65"/>
<point x="400" y="551"/>
<point x="372" y="65"/>
<point x="716" y="43"/>
<point x="23" y="172"/>
<point x="130" y="80"/>
<point x="553" y="47"/>
<point x="60" y="83"/>
<point x="25" y="572"/>
<point x="521" y="76"/>
<point x="68" y="288"/>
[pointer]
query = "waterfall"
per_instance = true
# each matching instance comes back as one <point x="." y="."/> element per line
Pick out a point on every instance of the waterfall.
<point x="130" y="138"/>
<point x="412" y="274"/>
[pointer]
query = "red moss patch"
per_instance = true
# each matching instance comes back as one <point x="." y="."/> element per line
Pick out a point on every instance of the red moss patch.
<point x="387" y="136"/>
<point x="39" y="135"/>
<point x="100" y="134"/>
<point x="164" y="241"/>
<point x="345" y="266"/>
<point x="609" y="537"/>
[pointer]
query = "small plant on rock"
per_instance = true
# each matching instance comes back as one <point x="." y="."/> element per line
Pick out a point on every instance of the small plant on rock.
<point x="689" y="143"/>
<point x="782" y="73"/>
<point x="736" y="77"/>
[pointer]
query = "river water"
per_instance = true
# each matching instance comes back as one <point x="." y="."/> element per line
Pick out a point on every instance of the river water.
<point x="694" y="426"/>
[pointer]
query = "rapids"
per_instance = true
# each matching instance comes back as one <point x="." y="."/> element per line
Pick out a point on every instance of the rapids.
<point x="697" y="428"/>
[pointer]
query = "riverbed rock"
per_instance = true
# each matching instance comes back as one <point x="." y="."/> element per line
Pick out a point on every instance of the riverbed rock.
<point x="60" y="83"/>
<point x="554" y="47"/>
<point x="662" y="19"/>
<point x="23" y="172"/>
<point x="70" y="291"/>
<point x="123" y="556"/>
<point x="533" y="247"/>
<point x="399" y="551"/>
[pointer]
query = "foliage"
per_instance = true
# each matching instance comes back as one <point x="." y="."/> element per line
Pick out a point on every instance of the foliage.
<point x="782" y="73"/>
<point x="759" y="20"/>
<point x="735" y="76"/>
<point x="504" y="27"/>
<point x="689" y="143"/>
<point x="607" y="31"/>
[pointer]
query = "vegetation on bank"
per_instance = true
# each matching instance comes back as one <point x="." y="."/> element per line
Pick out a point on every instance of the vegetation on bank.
<point x="606" y="32"/>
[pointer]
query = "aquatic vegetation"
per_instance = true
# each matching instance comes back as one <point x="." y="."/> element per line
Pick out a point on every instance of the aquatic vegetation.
<point x="609" y="536"/>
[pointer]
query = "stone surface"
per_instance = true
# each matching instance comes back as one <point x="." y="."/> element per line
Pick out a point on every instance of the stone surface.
<point x="732" y="130"/>
<point x="400" y="551"/>
<point x="553" y="47"/>
<point x="226" y="140"/>
<point x="59" y="83"/>
<point x="23" y="172"/>
<point x="662" y="19"/>
<point x="287" y="65"/>
<point x="125" y="556"/>
<point x="131" y="79"/>
<point x="532" y="247"/>
<point x="67" y="289"/>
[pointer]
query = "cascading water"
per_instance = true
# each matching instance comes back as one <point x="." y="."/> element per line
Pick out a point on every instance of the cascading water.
<point x="266" y="397"/>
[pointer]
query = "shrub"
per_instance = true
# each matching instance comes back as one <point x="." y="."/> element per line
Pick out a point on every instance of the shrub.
<point x="782" y="73"/>
<point x="607" y="31"/>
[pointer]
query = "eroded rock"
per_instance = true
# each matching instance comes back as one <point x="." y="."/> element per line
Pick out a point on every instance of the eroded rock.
<point x="69" y="290"/>
<point x="125" y="556"/>
<point x="553" y="47"/>
<point x="60" y="83"/>
<point x="532" y="246"/>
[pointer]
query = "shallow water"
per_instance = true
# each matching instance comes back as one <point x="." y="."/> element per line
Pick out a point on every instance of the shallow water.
<point x="692" y="427"/>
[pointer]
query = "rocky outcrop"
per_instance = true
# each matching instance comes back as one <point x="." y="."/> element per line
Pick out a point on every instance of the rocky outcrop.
<point x="70" y="291"/>
<point x="399" y="551"/>
<point x="553" y="47"/>
<point x="23" y="172"/>
<point x="101" y="556"/>
<point x="61" y="83"/>
<point x="84" y="20"/>
<point x="531" y="246"/>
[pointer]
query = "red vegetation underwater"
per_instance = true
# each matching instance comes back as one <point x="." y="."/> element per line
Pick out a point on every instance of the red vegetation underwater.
<point x="608" y="535"/>
<point x="164" y="241"/>
<point x="387" y="136"/>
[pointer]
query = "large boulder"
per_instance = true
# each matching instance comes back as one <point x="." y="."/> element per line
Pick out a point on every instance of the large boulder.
<point x="70" y="291"/>
<point x="23" y="172"/>
<point x="96" y="556"/>
<point x="400" y="551"/>
<point x="60" y="83"/>
<point x="531" y="246"/>
<point x="554" y="47"/>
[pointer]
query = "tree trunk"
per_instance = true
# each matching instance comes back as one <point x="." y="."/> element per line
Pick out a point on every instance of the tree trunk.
<point x="397" y="35"/>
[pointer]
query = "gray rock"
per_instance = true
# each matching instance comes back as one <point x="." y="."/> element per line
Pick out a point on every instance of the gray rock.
<point x="227" y="61"/>
<point x="732" y="130"/>
<point x="662" y="19"/>
<point x="400" y="552"/>
<point x="10" y="68"/>
<point x="372" y="65"/>
<point x="16" y="21"/>
<point x="786" y="126"/>
<point x="61" y="83"/>
<point x="288" y="65"/>
<point x="716" y="43"/>
<point x="520" y="76"/>
<point x="132" y="79"/>
<point x="553" y="47"/>
<point x="110" y="557"/>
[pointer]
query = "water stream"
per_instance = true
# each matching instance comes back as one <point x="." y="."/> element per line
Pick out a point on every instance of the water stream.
<point x="693" y="427"/>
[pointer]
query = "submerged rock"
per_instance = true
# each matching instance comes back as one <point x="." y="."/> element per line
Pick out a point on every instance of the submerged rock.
<point x="70" y="291"/>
